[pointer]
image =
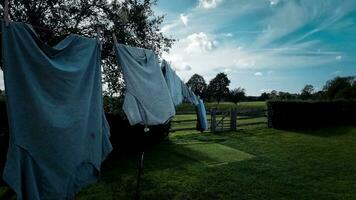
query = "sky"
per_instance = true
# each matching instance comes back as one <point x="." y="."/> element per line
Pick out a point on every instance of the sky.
<point x="262" y="45"/>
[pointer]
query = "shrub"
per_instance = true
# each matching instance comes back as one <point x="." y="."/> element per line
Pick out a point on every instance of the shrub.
<point x="308" y="114"/>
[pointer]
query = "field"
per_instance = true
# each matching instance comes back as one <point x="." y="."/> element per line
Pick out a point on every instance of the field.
<point x="251" y="163"/>
<point x="224" y="106"/>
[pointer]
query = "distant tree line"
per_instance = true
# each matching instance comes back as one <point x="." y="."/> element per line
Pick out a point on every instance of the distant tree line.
<point x="337" y="88"/>
<point x="218" y="90"/>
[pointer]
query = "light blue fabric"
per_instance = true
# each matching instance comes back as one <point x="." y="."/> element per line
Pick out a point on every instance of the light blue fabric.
<point x="147" y="99"/>
<point x="188" y="95"/>
<point x="58" y="132"/>
<point x="173" y="82"/>
<point x="202" y="116"/>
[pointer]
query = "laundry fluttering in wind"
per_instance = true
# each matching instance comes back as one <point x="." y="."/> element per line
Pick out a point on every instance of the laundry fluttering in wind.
<point x="59" y="135"/>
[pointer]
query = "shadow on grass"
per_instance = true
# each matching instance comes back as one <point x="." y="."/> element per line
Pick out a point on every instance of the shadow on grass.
<point x="330" y="131"/>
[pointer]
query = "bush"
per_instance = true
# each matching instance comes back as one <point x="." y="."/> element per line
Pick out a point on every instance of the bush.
<point x="126" y="138"/>
<point x="308" y="114"/>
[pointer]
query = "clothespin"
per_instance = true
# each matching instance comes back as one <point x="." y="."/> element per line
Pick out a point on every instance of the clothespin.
<point x="98" y="37"/>
<point x="146" y="129"/>
<point x="6" y="12"/>
<point x="114" y="38"/>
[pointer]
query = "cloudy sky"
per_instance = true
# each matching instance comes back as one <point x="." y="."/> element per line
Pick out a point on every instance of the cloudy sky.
<point x="262" y="45"/>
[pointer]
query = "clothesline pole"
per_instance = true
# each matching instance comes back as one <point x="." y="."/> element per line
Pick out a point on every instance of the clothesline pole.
<point x="114" y="38"/>
<point x="6" y="12"/>
<point x="98" y="33"/>
<point x="98" y="30"/>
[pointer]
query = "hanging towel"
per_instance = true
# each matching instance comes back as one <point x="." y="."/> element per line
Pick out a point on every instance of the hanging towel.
<point x="147" y="99"/>
<point x="173" y="82"/>
<point x="188" y="95"/>
<point x="201" y="116"/>
<point x="58" y="132"/>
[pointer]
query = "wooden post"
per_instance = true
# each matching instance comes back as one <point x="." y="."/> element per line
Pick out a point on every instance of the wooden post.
<point x="6" y="12"/>
<point x="233" y="123"/>
<point x="213" y="120"/>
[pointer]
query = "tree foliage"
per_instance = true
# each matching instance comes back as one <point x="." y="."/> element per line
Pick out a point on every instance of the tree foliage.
<point x="218" y="87"/>
<point x="132" y="21"/>
<point x="341" y="88"/>
<point x="197" y="84"/>
<point x="307" y="92"/>
<point x="237" y="95"/>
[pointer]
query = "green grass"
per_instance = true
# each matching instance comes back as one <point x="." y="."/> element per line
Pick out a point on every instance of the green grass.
<point x="212" y="154"/>
<point x="224" y="106"/>
<point x="312" y="164"/>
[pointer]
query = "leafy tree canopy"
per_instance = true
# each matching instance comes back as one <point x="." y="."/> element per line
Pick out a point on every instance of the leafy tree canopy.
<point x="218" y="87"/>
<point x="237" y="95"/>
<point x="197" y="84"/>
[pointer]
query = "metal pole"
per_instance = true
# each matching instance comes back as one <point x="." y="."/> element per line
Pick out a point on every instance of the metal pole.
<point x="98" y="30"/>
<point x="114" y="38"/>
<point x="6" y="12"/>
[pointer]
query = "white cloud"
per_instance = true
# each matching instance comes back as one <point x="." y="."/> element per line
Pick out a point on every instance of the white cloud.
<point x="199" y="42"/>
<point x="338" y="57"/>
<point x="184" y="19"/>
<point x="228" y="35"/>
<point x="208" y="4"/>
<point x="182" y="67"/>
<point x="273" y="2"/>
<point x="338" y="72"/>
<point x="266" y="90"/>
<point x="258" y="74"/>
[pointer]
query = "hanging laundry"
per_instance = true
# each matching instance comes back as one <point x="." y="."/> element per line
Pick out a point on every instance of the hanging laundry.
<point x="173" y="82"/>
<point x="58" y="132"/>
<point x="188" y="95"/>
<point x="202" y="124"/>
<point x="147" y="99"/>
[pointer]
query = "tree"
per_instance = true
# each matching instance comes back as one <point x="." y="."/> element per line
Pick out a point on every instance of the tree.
<point x="273" y="94"/>
<point x="307" y="92"/>
<point x="264" y="96"/>
<point x="218" y="87"/>
<point x="197" y="84"/>
<point x="340" y="88"/>
<point x="237" y="95"/>
<point x="132" y="21"/>
<point x="286" y="96"/>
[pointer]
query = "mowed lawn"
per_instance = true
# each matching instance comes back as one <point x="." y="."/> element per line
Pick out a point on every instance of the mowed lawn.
<point x="254" y="162"/>
<point x="224" y="106"/>
<point x="266" y="164"/>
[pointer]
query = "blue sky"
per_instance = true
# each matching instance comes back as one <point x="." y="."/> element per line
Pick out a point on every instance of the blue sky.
<point x="262" y="45"/>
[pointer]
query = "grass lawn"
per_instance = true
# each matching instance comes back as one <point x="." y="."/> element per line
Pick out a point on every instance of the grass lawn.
<point x="253" y="163"/>
<point x="224" y="106"/>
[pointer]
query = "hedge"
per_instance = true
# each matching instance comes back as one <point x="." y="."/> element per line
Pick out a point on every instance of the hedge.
<point x="309" y="114"/>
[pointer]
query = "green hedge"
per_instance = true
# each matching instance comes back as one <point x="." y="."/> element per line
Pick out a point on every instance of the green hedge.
<point x="308" y="114"/>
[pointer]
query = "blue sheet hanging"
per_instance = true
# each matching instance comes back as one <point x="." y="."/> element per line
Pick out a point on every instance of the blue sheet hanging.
<point x="147" y="99"/>
<point x="188" y="95"/>
<point x="201" y="112"/>
<point x="173" y="82"/>
<point x="58" y="132"/>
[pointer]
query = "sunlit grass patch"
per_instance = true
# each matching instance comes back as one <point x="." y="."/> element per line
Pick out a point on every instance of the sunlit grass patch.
<point x="212" y="153"/>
